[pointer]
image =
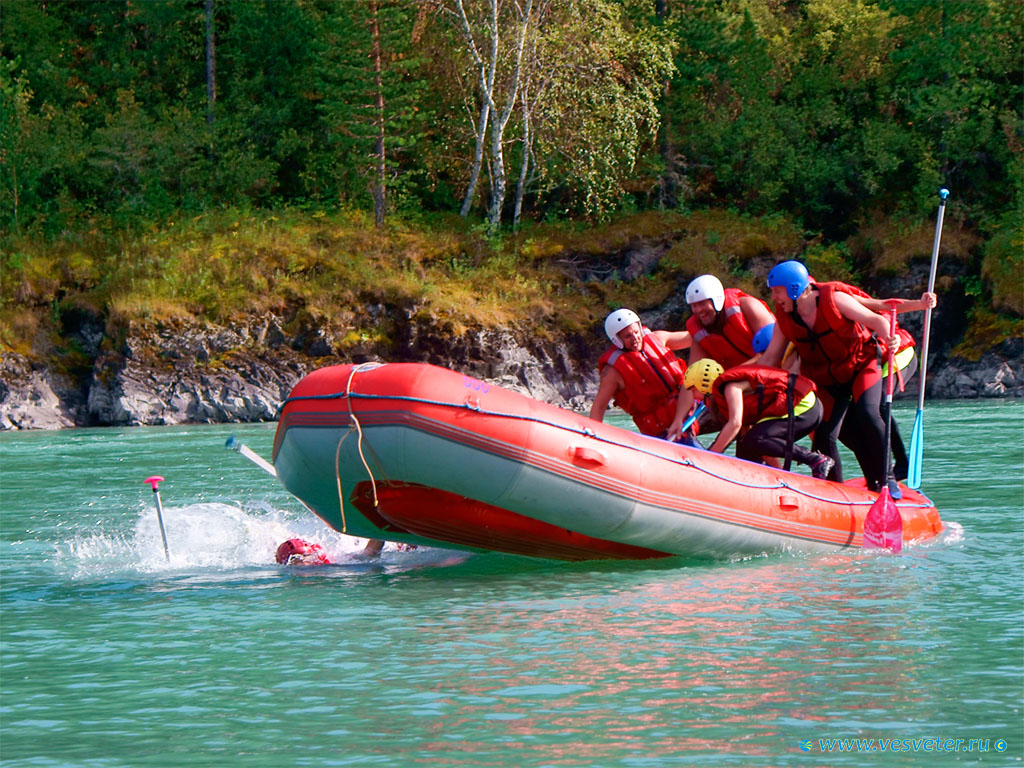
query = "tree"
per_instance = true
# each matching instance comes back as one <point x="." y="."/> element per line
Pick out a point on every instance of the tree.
<point x="14" y="128"/>
<point x="597" y="100"/>
<point x="581" y="81"/>
<point x="211" y="64"/>
<point x="370" y="92"/>
<point x="498" y="74"/>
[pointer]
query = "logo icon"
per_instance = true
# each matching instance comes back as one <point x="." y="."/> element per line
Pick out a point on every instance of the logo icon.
<point x="805" y="746"/>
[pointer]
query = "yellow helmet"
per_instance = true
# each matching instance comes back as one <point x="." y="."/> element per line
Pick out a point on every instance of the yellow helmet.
<point x="702" y="375"/>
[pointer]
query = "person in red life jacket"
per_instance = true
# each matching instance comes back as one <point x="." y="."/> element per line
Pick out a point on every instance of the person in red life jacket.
<point x="722" y="326"/>
<point x="906" y="367"/>
<point x="769" y="409"/>
<point x="641" y="372"/>
<point x="301" y="552"/>
<point x="723" y="322"/>
<point x="835" y="336"/>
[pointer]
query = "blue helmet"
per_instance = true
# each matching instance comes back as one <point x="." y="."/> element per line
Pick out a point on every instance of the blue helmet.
<point x="763" y="338"/>
<point x="791" y="275"/>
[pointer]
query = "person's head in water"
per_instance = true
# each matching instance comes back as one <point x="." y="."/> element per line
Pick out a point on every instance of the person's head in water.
<point x="300" y="552"/>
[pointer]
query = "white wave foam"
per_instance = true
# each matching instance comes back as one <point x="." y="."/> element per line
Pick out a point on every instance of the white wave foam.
<point x="202" y="536"/>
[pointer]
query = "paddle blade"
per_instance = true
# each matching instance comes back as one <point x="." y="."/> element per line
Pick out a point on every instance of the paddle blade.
<point x="883" y="525"/>
<point x="916" y="455"/>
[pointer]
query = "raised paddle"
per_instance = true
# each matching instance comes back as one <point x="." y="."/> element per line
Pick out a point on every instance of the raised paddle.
<point x="917" y="440"/>
<point x="883" y="526"/>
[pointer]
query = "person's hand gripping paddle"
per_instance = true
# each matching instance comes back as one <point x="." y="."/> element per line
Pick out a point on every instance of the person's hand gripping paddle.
<point x="883" y="526"/>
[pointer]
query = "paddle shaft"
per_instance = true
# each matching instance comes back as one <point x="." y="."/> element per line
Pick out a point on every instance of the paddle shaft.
<point x="923" y="362"/>
<point x="889" y="385"/>
<point x="251" y="455"/>
<point x="692" y="418"/>
<point x="160" y="519"/>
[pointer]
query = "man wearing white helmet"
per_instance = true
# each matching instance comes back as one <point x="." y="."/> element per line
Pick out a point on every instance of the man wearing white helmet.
<point x="723" y="322"/>
<point x="722" y="326"/>
<point x="640" y="372"/>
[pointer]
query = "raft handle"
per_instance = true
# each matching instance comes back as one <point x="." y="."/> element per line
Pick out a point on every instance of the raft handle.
<point x="587" y="456"/>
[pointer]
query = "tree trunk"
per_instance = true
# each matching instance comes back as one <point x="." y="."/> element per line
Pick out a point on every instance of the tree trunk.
<point x="669" y="197"/>
<point x="211" y="80"/>
<point x="478" y="159"/>
<point x="486" y="74"/>
<point x="380" y="182"/>
<point x="499" y="123"/>
<point x="527" y="138"/>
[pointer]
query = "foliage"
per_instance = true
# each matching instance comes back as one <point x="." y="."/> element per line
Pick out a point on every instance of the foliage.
<point x="829" y="122"/>
<point x="985" y="330"/>
<point x="1003" y="266"/>
<point x="602" y="81"/>
<point x="821" y="109"/>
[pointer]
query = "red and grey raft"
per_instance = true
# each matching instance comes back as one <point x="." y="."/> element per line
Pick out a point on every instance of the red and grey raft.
<point x="420" y="454"/>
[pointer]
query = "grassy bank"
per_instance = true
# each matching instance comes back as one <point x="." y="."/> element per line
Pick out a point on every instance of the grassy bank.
<point x="335" y="270"/>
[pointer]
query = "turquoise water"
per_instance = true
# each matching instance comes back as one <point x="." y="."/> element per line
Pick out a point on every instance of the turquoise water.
<point x="111" y="656"/>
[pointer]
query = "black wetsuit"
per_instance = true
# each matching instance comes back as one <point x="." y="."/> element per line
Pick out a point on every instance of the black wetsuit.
<point x="851" y="433"/>
<point x="770" y="437"/>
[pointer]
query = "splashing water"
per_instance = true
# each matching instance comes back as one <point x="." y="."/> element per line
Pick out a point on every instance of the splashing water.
<point x="205" y="536"/>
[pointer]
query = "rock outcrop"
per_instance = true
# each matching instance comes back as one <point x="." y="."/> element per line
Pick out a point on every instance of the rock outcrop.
<point x="177" y="373"/>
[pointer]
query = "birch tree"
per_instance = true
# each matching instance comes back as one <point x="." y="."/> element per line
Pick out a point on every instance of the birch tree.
<point x="484" y="30"/>
<point x="596" y="103"/>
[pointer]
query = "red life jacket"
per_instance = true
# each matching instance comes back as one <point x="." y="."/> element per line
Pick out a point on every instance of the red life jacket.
<point x="732" y="343"/>
<point x="768" y="391"/>
<point x="835" y="349"/>
<point x="906" y="340"/>
<point x="652" y="378"/>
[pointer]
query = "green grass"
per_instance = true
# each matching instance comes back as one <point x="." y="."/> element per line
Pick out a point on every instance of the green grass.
<point x="320" y="269"/>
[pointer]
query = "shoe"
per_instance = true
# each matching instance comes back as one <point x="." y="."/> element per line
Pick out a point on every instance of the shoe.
<point x="821" y="466"/>
<point x="894" y="490"/>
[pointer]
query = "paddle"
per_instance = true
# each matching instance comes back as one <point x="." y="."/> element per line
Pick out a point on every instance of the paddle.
<point x="917" y="440"/>
<point x="692" y="418"/>
<point x="154" y="483"/>
<point x="251" y="455"/>
<point x="883" y="526"/>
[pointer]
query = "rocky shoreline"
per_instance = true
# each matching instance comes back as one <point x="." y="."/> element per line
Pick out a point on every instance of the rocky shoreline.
<point x="191" y="374"/>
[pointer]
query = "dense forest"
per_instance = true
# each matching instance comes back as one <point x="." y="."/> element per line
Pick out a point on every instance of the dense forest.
<point x="123" y="121"/>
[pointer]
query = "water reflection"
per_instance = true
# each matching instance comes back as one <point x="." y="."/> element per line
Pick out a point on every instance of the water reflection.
<point x="673" y="665"/>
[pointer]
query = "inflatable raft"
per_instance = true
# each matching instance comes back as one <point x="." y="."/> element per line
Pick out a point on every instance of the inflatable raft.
<point x="420" y="454"/>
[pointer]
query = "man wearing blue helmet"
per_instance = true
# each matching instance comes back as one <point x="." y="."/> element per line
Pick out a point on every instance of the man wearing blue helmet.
<point x="838" y="339"/>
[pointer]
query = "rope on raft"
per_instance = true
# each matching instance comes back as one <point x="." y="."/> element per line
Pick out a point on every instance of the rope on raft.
<point x="584" y="431"/>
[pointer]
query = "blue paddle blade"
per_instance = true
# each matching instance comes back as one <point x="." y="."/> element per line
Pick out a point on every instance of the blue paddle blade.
<point x="916" y="452"/>
<point x="693" y="417"/>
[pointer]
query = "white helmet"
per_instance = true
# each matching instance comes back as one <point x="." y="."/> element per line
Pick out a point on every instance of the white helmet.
<point x="706" y="287"/>
<point x="617" y="321"/>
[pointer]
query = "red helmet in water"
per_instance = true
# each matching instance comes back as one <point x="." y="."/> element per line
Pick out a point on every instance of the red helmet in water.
<point x="300" y="552"/>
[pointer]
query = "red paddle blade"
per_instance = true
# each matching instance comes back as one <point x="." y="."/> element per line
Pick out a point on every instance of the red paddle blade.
<point x="883" y="526"/>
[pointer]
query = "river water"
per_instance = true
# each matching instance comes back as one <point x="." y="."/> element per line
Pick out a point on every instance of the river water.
<point x="113" y="656"/>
